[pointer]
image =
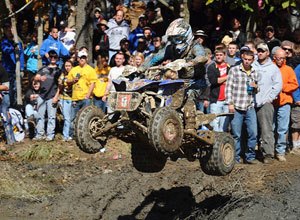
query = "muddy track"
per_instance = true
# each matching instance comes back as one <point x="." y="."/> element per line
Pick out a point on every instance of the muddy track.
<point x="97" y="187"/>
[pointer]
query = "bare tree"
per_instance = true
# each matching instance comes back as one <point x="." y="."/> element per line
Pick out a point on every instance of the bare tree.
<point x="84" y="21"/>
<point x="18" y="72"/>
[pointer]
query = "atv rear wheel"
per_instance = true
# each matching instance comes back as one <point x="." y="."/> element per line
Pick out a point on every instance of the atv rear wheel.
<point x="89" y="120"/>
<point x="220" y="158"/>
<point x="165" y="130"/>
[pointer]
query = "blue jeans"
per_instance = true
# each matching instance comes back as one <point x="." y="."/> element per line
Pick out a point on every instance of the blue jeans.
<point x="66" y="106"/>
<point x="249" y="117"/>
<point x="44" y="106"/>
<point x="220" y="124"/>
<point x="4" y="105"/>
<point x="200" y="107"/>
<point x="77" y="105"/>
<point x="282" y="120"/>
<point x="32" y="110"/>
<point x="100" y="104"/>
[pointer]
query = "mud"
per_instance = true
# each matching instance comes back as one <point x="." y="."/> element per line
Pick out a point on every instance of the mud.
<point x="75" y="185"/>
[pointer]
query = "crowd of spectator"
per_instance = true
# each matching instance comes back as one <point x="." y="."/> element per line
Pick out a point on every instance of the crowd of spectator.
<point x="257" y="79"/>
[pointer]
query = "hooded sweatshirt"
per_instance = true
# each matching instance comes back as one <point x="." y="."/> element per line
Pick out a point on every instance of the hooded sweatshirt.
<point x="52" y="44"/>
<point x="269" y="82"/>
<point x="9" y="55"/>
<point x="289" y="85"/>
<point x="116" y="33"/>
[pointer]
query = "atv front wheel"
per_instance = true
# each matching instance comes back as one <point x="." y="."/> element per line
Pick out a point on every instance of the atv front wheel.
<point x="220" y="158"/>
<point x="165" y="130"/>
<point x="89" y="121"/>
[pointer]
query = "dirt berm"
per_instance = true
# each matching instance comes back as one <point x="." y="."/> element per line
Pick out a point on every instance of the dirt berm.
<point x="57" y="181"/>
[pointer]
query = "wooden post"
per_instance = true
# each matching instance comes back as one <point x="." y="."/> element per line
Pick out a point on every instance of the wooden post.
<point x="17" y="53"/>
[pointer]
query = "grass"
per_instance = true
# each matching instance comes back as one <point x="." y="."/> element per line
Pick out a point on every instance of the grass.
<point x="43" y="152"/>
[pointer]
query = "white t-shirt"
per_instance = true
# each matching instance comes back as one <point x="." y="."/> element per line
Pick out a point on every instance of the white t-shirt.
<point x="114" y="73"/>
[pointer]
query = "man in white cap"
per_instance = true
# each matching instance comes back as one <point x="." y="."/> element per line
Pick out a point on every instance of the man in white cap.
<point x="270" y="84"/>
<point x="82" y="78"/>
<point x="200" y="36"/>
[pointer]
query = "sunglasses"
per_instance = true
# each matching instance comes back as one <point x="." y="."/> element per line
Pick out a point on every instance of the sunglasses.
<point x="260" y="51"/>
<point x="279" y="58"/>
<point x="55" y="57"/>
<point x="83" y="57"/>
<point x="287" y="49"/>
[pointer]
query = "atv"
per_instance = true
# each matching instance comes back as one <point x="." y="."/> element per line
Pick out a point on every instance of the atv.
<point x="163" y="118"/>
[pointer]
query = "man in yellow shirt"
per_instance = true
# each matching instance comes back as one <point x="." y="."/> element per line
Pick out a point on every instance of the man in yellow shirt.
<point x="82" y="78"/>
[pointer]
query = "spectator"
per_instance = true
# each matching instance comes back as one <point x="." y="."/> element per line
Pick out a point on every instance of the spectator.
<point x="82" y="78"/>
<point x="32" y="98"/>
<point x="114" y="73"/>
<point x="31" y="52"/>
<point x="65" y="100"/>
<point x="10" y="51"/>
<point x="102" y="70"/>
<point x="124" y="45"/>
<point x="49" y="97"/>
<point x="231" y="56"/>
<point x="100" y="40"/>
<point x="53" y="43"/>
<point x="139" y="59"/>
<point x="283" y="103"/>
<point x="59" y="11"/>
<point x="138" y="32"/>
<point x="201" y="37"/>
<point x="156" y="56"/>
<point x="270" y="39"/>
<point x="288" y="47"/>
<point x="148" y="35"/>
<point x="217" y="75"/>
<point x="295" y="116"/>
<point x="270" y="84"/>
<point x="294" y="61"/>
<point x="4" y="106"/>
<point x="118" y="29"/>
<point x="97" y="17"/>
<point x="241" y="87"/>
<point x="237" y="34"/>
<point x="66" y="35"/>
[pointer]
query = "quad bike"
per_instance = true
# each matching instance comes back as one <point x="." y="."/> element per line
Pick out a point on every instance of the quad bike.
<point x="163" y="117"/>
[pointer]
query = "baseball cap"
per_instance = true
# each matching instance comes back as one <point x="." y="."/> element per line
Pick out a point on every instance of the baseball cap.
<point x="97" y="9"/>
<point x="244" y="48"/>
<point x="262" y="46"/>
<point x="200" y="33"/>
<point x="82" y="54"/>
<point x="269" y="28"/>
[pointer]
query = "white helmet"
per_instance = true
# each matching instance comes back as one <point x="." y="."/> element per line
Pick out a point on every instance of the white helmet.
<point x="180" y="33"/>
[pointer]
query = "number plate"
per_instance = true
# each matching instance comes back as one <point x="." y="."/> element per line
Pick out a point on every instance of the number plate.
<point x="123" y="101"/>
<point x="128" y="101"/>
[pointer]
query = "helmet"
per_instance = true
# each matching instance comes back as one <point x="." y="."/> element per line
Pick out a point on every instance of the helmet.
<point x="180" y="33"/>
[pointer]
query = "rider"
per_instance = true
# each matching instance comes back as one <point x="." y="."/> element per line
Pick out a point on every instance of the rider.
<point x="181" y="46"/>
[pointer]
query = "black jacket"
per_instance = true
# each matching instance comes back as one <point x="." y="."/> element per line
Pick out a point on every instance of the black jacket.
<point x="213" y="74"/>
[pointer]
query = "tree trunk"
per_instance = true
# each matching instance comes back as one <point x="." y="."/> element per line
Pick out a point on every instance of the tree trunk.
<point x="186" y="11"/>
<point x="18" y="72"/>
<point x="84" y="26"/>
